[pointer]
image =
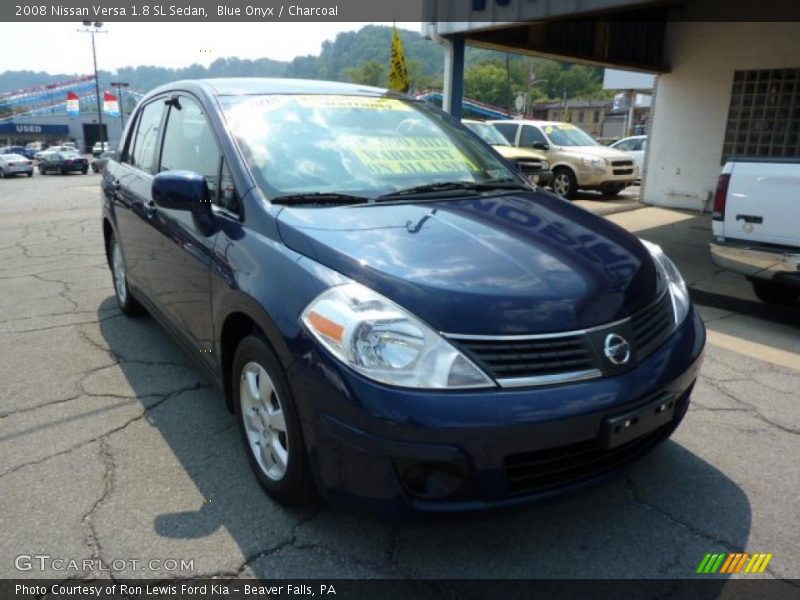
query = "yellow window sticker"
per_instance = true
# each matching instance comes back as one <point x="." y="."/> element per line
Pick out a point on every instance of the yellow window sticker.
<point x="567" y="126"/>
<point x="549" y="129"/>
<point x="325" y="101"/>
<point x="407" y="155"/>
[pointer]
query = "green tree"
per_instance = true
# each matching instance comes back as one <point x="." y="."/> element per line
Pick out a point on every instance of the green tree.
<point x="370" y="73"/>
<point x="487" y="82"/>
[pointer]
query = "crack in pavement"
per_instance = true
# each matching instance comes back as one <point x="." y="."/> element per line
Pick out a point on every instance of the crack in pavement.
<point x="110" y="432"/>
<point x="90" y="531"/>
<point x="751" y="408"/>
<point x="634" y="497"/>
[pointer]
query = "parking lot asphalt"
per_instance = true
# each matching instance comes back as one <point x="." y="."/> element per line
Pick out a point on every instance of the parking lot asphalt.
<point x="115" y="447"/>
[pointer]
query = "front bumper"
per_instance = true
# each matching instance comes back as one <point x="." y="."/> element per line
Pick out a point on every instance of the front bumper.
<point x="542" y="178"/>
<point x="597" y="178"/>
<point x="757" y="262"/>
<point x="361" y="435"/>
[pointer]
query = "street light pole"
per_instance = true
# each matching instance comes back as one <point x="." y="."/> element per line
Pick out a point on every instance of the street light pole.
<point x="97" y="25"/>
<point x="118" y="85"/>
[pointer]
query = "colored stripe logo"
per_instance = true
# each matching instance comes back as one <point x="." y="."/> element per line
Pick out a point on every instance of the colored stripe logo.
<point x="734" y="562"/>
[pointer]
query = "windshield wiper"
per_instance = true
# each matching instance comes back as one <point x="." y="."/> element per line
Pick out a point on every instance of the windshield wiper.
<point x="319" y="198"/>
<point x="446" y="186"/>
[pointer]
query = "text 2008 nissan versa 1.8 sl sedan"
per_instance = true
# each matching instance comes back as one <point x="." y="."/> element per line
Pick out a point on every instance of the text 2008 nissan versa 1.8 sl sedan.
<point x="397" y="318"/>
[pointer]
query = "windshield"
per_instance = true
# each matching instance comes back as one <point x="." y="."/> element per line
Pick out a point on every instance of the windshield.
<point x="565" y="134"/>
<point x="488" y="133"/>
<point x="366" y="146"/>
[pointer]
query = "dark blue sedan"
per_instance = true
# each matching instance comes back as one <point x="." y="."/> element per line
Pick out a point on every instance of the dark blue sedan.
<point x="395" y="316"/>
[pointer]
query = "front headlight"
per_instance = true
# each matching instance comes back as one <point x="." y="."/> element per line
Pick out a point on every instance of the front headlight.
<point x="374" y="336"/>
<point x="677" y="286"/>
<point x="594" y="162"/>
<point x="545" y="165"/>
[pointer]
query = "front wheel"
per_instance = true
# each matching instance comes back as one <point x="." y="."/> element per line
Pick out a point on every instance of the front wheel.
<point x="2" y="174"/>
<point x="269" y="423"/>
<point x="564" y="183"/>
<point x="775" y="292"/>
<point x="30" y="173"/>
<point x="126" y="302"/>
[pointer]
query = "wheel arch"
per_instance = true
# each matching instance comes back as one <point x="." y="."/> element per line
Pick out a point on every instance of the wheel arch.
<point x="237" y="324"/>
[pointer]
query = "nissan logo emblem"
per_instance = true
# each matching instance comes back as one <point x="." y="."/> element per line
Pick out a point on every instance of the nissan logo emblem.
<point x="617" y="349"/>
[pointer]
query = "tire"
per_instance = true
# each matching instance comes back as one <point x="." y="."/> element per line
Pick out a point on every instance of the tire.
<point x="127" y="303"/>
<point x="267" y="417"/>
<point x="30" y="173"/>
<point x="775" y="292"/>
<point x="564" y="183"/>
<point x="2" y="174"/>
<point x="85" y="171"/>
<point x="63" y="171"/>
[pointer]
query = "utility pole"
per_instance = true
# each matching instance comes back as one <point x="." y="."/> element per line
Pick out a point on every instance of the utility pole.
<point x="92" y="28"/>
<point x="118" y="85"/>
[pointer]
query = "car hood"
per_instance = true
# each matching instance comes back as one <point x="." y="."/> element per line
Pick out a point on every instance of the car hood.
<point x="513" y="153"/>
<point x="598" y="151"/>
<point x="513" y="264"/>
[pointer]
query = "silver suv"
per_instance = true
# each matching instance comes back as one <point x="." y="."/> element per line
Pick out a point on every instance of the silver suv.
<point x="577" y="161"/>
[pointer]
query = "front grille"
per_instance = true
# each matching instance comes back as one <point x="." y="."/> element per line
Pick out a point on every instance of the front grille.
<point x="505" y="359"/>
<point x="569" y="356"/>
<point x="622" y="163"/>
<point x="529" y="166"/>
<point x="623" y="171"/>
<point x="541" y="470"/>
<point x="652" y="326"/>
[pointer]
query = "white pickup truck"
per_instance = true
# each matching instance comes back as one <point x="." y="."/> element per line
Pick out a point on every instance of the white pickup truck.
<point x="756" y="225"/>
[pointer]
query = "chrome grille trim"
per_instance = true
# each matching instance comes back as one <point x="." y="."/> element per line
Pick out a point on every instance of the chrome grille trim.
<point x="512" y="382"/>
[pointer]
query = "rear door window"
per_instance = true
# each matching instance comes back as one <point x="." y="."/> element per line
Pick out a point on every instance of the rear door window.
<point x="509" y="131"/>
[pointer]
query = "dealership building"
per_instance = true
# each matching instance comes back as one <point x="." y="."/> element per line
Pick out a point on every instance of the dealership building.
<point x="60" y="127"/>
<point x="722" y="89"/>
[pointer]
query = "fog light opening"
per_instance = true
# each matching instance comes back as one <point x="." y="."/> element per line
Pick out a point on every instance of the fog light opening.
<point x="430" y="480"/>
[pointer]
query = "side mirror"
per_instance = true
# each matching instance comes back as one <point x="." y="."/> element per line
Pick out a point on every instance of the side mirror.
<point x="181" y="190"/>
<point x="540" y="146"/>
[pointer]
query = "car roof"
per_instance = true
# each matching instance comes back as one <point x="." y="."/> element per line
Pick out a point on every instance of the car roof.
<point x="529" y="122"/>
<point x="237" y="86"/>
<point x="12" y="155"/>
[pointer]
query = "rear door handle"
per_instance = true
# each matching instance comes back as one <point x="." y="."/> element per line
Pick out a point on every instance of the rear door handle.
<point x="150" y="207"/>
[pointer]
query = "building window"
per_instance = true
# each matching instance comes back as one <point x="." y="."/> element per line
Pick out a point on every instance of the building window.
<point x="597" y="116"/>
<point x="580" y="116"/>
<point x="764" y="116"/>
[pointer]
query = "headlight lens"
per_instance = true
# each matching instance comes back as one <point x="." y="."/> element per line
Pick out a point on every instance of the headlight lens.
<point x="545" y="165"/>
<point x="594" y="162"/>
<point x="677" y="286"/>
<point x="380" y="340"/>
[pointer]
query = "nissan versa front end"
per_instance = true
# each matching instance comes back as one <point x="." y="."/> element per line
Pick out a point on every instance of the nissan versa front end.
<point x="397" y="318"/>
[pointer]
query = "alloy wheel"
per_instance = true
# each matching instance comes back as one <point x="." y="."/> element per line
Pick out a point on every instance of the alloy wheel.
<point x="264" y="421"/>
<point x="118" y="267"/>
<point x="561" y="184"/>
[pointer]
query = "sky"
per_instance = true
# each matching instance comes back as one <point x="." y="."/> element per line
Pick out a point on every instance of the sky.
<point x="59" y="48"/>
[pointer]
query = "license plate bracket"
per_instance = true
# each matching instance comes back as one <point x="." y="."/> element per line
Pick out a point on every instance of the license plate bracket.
<point x="620" y="429"/>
